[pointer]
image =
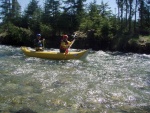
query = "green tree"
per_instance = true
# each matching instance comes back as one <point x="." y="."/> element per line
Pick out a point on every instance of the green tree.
<point x="5" y="10"/>
<point x="32" y="16"/>
<point x="135" y="18"/>
<point x="70" y="7"/>
<point x="51" y="14"/>
<point x="118" y="4"/>
<point x="80" y="11"/>
<point x="69" y="16"/>
<point x="10" y="9"/>
<point x="16" y="9"/>
<point x="105" y="9"/>
<point x="144" y="17"/>
<point x="10" y="13"/>
<point x="31" y="8"/>
<point x="73" y="11"/>
<point x="130" y="13"/>
<point x="93" y="9"/>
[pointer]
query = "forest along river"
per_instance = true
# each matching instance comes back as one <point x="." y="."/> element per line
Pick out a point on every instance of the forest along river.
<point x="105" y="82"/>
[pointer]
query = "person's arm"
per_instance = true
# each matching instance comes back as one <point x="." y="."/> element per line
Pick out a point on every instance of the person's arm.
<point x="69" y="43"/>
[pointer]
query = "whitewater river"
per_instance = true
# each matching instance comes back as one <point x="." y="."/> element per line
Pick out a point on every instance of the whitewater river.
<point x="105" y="82"/>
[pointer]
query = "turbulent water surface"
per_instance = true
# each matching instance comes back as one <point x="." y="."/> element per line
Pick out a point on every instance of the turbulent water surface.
<point x="104" y="82"/>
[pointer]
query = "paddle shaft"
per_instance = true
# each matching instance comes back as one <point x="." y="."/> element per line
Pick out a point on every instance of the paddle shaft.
<point x="43" y="43"/>
<point x="72" y="42"/>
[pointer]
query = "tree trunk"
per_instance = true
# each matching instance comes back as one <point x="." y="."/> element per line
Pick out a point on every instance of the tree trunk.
<point x="135" y="16"/>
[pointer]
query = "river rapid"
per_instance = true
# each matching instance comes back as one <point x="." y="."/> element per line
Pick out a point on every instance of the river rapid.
<point x="105" y="82"/>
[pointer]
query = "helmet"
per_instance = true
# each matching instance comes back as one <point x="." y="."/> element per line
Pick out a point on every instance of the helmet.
<point x="65" y="36"/>
<point x="38" y="35"/>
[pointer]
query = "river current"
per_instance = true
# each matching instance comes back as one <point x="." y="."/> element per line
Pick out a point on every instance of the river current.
<point x="104" y="82"/>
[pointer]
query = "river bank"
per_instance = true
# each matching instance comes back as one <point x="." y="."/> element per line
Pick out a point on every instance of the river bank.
<point x="122" y="43"/>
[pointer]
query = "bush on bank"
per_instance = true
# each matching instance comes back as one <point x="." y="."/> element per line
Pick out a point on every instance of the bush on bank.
<point x="13" y="35"/>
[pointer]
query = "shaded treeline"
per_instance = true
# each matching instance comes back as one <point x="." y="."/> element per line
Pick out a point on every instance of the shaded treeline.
<point x="104" y="29"/>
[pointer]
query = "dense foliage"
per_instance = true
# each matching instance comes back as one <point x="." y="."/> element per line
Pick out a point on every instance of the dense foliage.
<point x="104" y="29"/>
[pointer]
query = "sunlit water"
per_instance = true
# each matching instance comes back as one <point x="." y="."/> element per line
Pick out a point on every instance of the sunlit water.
<point x="104" y="82"/>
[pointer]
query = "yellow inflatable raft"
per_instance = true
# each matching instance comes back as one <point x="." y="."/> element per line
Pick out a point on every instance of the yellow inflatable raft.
<point x="54" y="55"/>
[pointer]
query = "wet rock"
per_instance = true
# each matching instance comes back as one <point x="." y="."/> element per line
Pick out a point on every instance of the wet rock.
<point x="26" y="110"/>
<point x="81" y="34"/>
<point x="63" y="111"/>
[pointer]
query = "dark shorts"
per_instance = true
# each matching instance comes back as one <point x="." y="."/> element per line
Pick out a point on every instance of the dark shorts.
<point x="62" y="50"/>
<point x="39" y="49"/>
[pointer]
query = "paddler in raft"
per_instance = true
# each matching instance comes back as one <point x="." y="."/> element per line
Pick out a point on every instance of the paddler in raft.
<point x="39" y="43"/>
<point x="65" y="44"/>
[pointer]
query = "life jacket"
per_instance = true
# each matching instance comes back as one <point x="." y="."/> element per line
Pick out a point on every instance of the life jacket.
<point x="64" y="44"/>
